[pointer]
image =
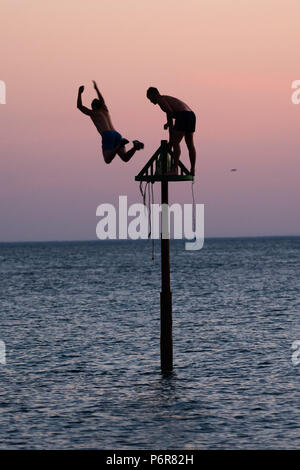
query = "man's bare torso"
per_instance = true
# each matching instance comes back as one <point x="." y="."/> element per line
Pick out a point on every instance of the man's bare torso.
<point x="102" y="120"/>
<point x="175" y="104"/>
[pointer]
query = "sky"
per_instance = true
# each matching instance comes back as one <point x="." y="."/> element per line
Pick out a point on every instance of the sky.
<point x="232" y="62"/>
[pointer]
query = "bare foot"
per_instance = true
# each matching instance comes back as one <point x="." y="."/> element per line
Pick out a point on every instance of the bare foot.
<point x="138" y="145"/>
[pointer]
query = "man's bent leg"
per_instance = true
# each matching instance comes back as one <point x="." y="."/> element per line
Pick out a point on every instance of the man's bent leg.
<point x="126" y="156"/>
<point x="109" y="155"/>
<point x="189" y="139"/>
<point x="175" y="139"/>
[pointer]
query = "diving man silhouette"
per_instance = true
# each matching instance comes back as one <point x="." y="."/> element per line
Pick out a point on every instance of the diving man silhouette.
<point x="112" y="141"/>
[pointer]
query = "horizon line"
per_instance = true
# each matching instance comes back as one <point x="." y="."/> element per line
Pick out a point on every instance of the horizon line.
<point x="230" y="237"/>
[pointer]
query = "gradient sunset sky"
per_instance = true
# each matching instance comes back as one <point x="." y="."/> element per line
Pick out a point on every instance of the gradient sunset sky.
<point x="233" y="62"/>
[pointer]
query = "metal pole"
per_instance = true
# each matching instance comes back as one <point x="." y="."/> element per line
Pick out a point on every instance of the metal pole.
<point x="166" y="343"/>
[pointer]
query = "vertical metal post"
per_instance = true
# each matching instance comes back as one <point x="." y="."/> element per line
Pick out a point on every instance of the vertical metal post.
<point x="166" y="343"/>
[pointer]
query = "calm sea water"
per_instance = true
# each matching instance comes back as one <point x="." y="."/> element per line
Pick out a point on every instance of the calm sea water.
<point x="81" y="326"/>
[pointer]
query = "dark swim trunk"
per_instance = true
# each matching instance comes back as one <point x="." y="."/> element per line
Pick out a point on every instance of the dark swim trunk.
<point x="185" y="121"/>
<point x="110" y="140"/>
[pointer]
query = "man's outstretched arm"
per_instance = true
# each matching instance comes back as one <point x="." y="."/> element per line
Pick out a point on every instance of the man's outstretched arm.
<point x="80" y="106"/>
<point x="100" y="97"/>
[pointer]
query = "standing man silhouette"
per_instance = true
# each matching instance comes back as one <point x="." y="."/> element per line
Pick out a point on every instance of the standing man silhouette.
<point x="185" y="124"/>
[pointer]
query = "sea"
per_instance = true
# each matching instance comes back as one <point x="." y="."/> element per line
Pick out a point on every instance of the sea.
<point x="80" y="342"/>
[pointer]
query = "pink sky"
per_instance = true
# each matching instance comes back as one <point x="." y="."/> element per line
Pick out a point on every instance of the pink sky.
<point x="232" y="62"/>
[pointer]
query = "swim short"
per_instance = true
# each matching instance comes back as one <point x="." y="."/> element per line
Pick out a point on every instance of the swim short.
<point x="185" y="121"/>
<point x="110" y="140"/>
